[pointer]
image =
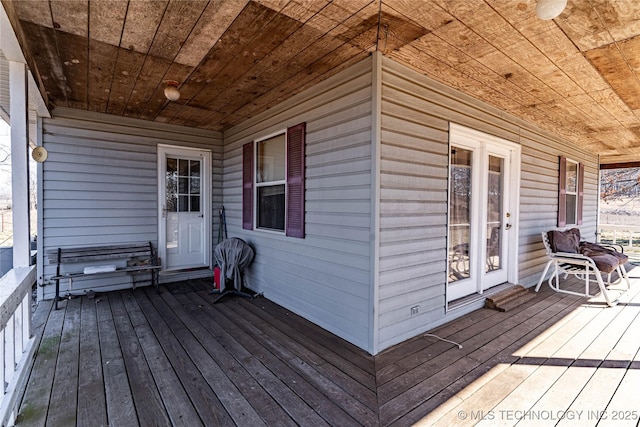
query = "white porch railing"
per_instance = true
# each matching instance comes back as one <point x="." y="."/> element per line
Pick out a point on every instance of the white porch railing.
<point x="16" y="343"/>
<point x="628" y="236"/>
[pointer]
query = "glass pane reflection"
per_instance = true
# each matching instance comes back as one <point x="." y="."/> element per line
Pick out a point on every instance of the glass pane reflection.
<point x="183" y="185"/>
<point x="460" y="214"/>
<point x="494" y="214"/>
<point x="171" y="184"/>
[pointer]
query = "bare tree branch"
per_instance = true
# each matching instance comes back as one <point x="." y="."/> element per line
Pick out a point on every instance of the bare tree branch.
<point x="616" y="184"/>
<point x="5" y="155"/>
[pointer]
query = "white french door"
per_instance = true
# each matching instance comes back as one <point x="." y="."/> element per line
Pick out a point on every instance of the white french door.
<point x="184" y="208"/>
<point x="483" y="191"/>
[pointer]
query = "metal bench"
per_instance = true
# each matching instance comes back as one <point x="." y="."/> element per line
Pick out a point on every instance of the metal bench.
<point x="140" y="257"/>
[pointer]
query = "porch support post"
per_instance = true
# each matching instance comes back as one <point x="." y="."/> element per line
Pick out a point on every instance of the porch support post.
<point x="18" y="90"/>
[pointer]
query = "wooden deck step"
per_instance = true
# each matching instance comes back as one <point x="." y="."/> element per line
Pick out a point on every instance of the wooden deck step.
<point x="509" y="298"/>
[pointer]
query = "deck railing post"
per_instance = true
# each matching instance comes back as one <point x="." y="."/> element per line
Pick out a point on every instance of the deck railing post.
<point x="9" y="349"/>
<point x="26" y="321"/>
<point x="16" y="344"/>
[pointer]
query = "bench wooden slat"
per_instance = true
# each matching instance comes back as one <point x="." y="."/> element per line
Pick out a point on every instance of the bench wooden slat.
<point x="105" y="256"/>
<point x="134" y="269"/>
<point x="90" y="254"/>
<point x="96" y="252"/>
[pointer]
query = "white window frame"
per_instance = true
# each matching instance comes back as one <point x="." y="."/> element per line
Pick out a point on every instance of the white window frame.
<point x="257" y="185"/>
<point x="571" y="193"/>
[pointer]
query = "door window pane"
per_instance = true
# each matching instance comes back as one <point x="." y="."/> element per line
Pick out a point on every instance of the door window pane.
<point x="183" y="167"/>
<point x="195" y="204"/>
<point x="183" y="185"/>
<point x="171" y="185"/>
<point x="194" y="187"/>
<point x="460" y="214"/>
<point x="183" y="203"/>
<point x="195" y="168"/>
<point x="495" y="186"/>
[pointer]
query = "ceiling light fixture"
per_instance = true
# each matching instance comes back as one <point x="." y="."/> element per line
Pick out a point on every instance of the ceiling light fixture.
<point x="550" y="9"/>
<point x="171" y="91"/>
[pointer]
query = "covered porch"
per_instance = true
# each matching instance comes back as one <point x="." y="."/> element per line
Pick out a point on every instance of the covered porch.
<point x="377" y="85"/>
<point x="141" y="358"/>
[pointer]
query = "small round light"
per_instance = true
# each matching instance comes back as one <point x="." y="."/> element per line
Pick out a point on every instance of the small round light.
<point x="550" y="9"/>
<point x="171" y="91"/>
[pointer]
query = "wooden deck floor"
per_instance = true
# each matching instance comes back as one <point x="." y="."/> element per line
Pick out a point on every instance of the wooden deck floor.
<point x="140" y="358"/>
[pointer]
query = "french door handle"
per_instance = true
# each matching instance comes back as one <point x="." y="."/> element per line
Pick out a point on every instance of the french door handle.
<point x="507" y="226"/>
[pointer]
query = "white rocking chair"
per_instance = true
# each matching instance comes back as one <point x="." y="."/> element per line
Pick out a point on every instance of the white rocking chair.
<point x="583" y="268"/>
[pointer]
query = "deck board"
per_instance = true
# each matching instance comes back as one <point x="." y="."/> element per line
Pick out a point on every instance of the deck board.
<point x="195" y="367"/>
<point x="312" y="407"/>
<point x="166" y="377"/>
<point x="92" y="408"/>
<point x="413" y="387"/>
<point x="64" y="394"/>
<point x="34" y="409"/>
<point x="314" y="333"/>
<point x="326" y="354"/>
<point x="137" y="357"/>
<point x="560" y="376"/>
<point x="223" y="350"/>
<point x="148" y="403"/>
<point x="242" y="359"/>
<point x="473" y="381"/>
<point x="120" y="405"/>
<point x="326" y="373"/>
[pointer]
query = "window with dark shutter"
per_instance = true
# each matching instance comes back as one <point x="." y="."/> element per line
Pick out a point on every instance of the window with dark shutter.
<point x="247" y="186"/>
<point x="295" y="180"/>
<point x="273" y="175"/>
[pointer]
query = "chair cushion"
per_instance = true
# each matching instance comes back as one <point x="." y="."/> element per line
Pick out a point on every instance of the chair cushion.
<point x="587" y="248"/>
<point x="565" y="241"/>
<point x="604" y="261"/>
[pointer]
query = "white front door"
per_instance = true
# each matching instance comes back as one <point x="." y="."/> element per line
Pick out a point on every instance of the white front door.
<point x="184" y="207"/>
<point x="483" y="192"/>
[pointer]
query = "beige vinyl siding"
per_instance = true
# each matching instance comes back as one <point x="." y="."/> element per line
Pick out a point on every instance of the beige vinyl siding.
<point x="325" y="277"/>
<point x="415" y="117"/>
<point x="100" y="183"/>
<point x="539" y="198"/>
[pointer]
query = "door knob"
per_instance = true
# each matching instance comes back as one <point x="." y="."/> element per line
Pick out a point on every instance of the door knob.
<point x="507" y="227"/>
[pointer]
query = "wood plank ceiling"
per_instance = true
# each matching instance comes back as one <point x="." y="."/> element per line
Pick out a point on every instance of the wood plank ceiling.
<point x="576" y="76"/>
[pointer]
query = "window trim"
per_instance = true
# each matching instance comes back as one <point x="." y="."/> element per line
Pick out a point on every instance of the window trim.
<point x="562" y="192"/>
<point x="257" y="184"/>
